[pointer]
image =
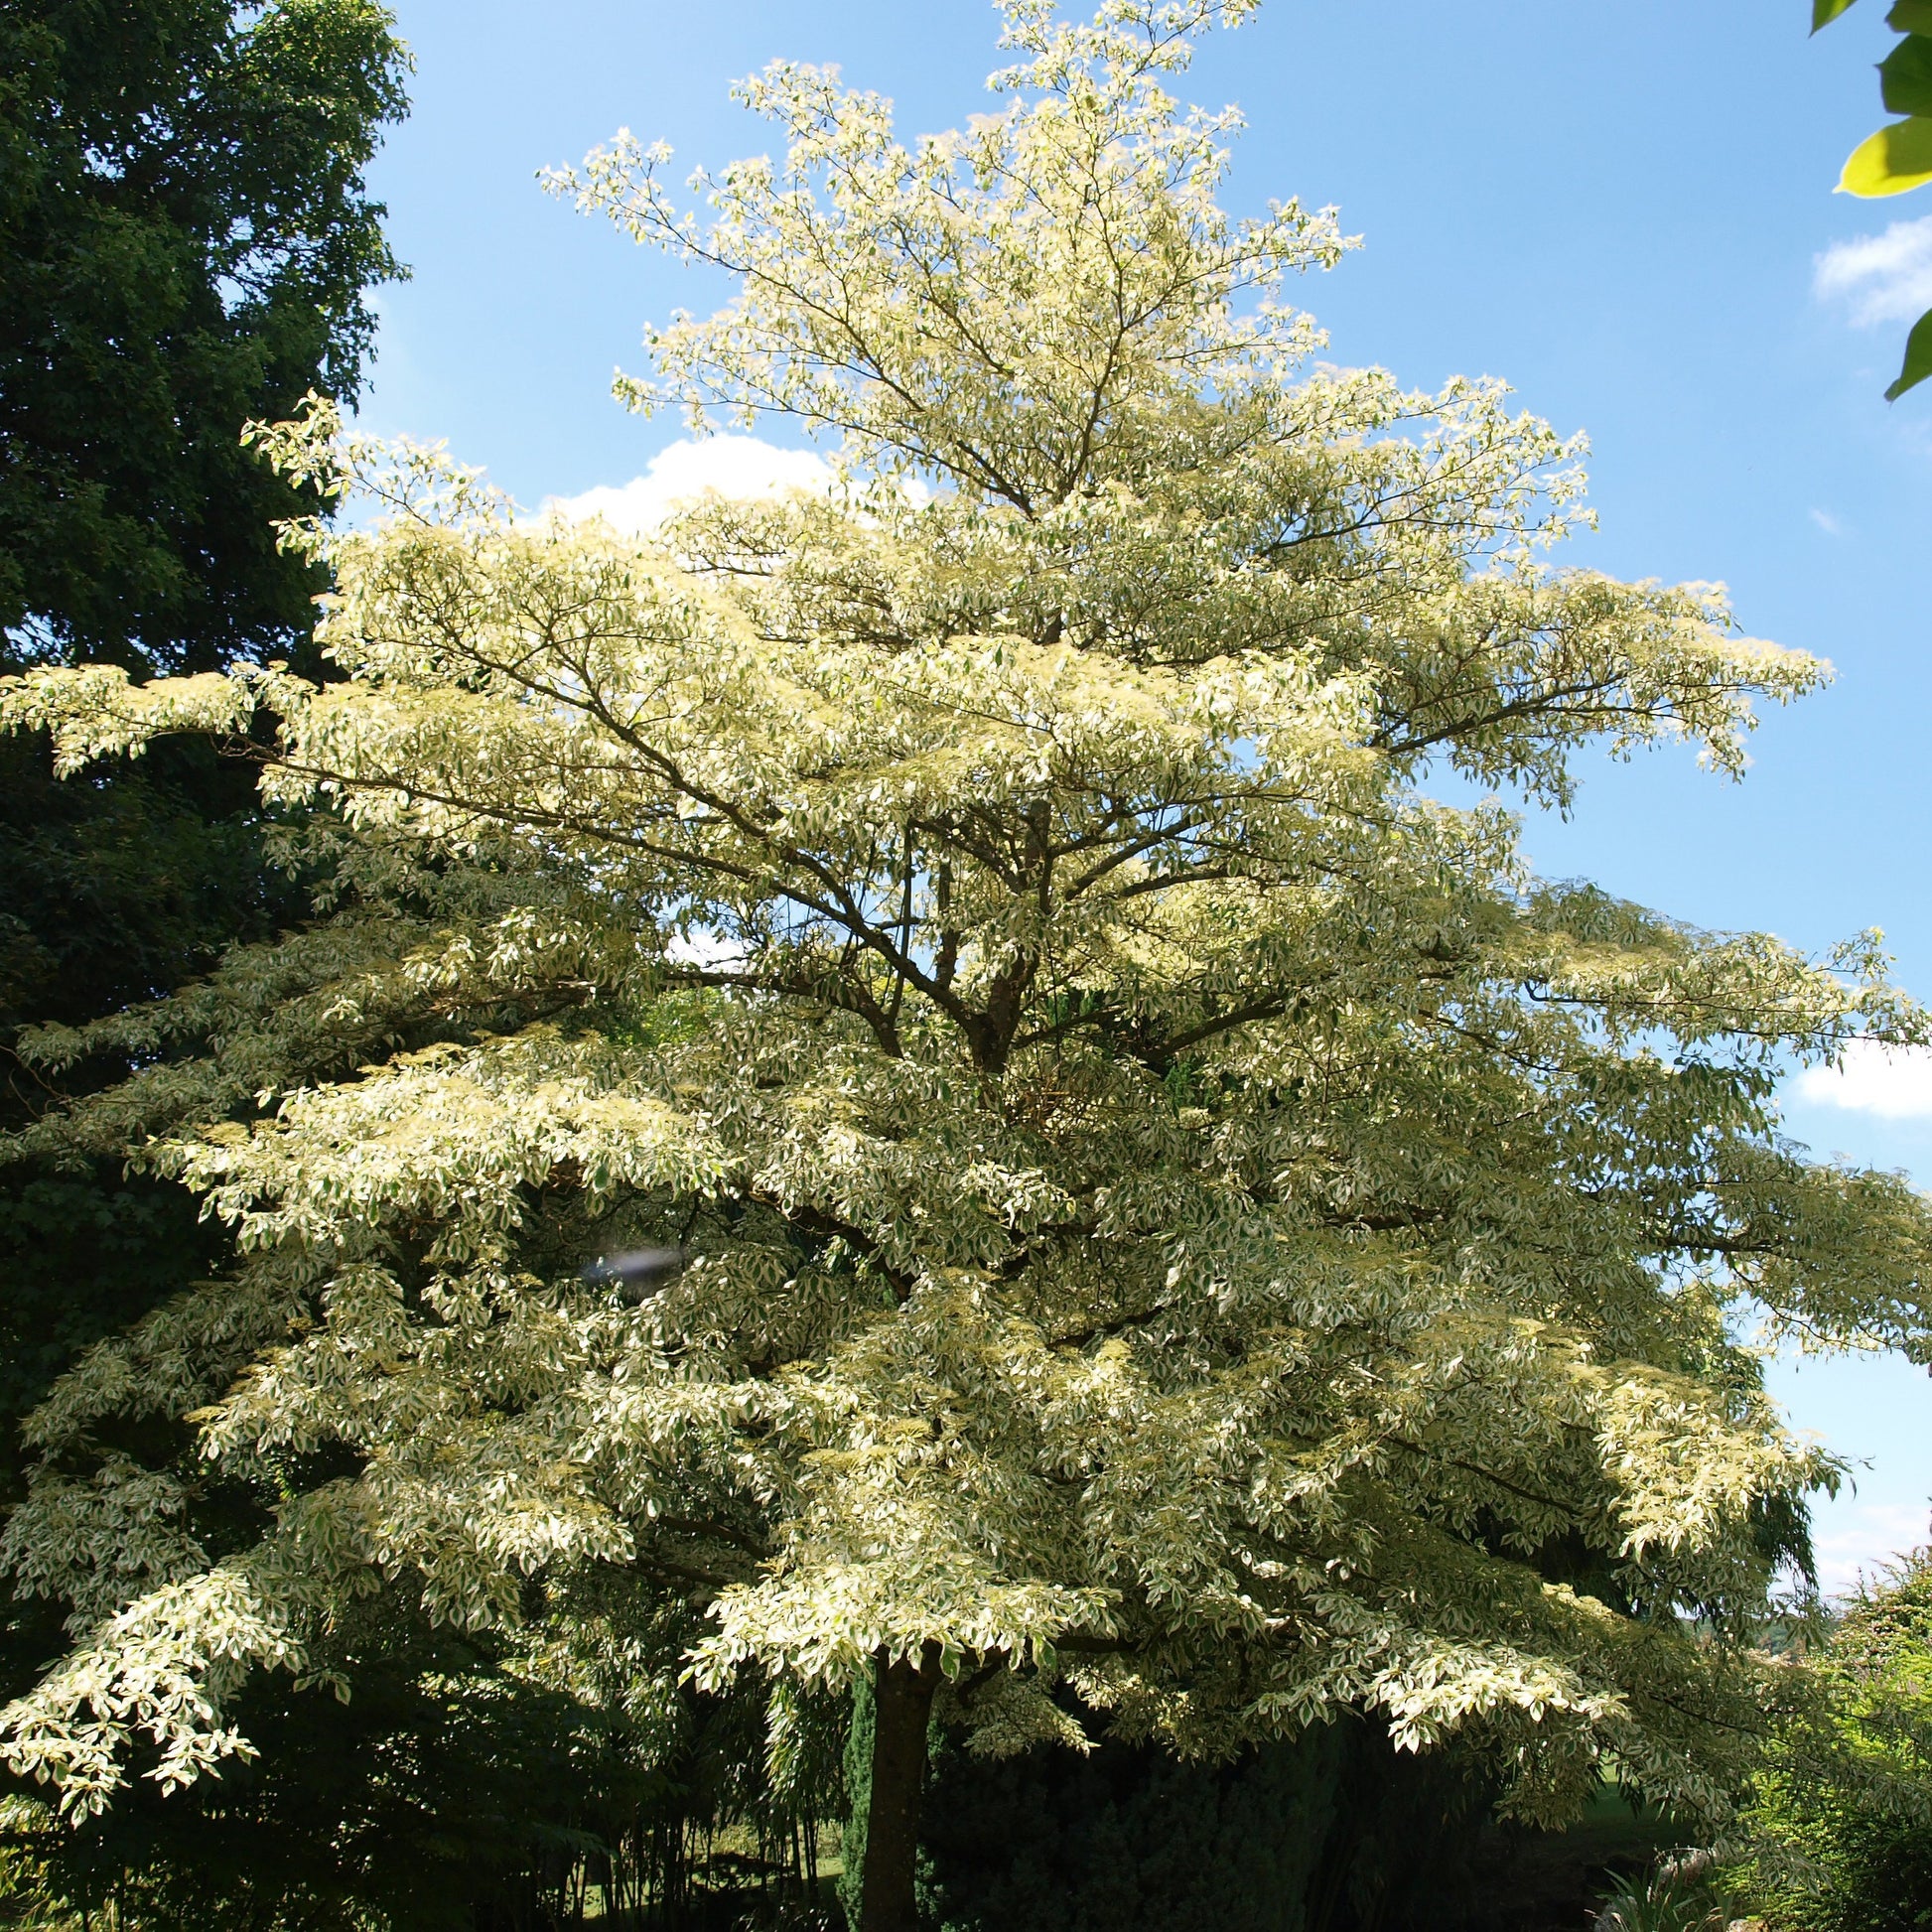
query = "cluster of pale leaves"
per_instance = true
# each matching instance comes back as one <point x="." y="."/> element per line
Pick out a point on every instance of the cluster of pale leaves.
<point x="1172" y="1214"/>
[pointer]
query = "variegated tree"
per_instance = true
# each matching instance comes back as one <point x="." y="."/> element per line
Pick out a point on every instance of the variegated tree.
<point x="1182" y="1231"/>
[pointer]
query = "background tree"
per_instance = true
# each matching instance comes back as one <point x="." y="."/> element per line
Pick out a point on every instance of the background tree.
<point x="185" y="246"/>
<point x="1897" y="157"/>
<point x="1330" y="1831"/>
<point x="1842" y="1815"/>
<point x="1182" y="1234"/>
<point x="469" y="1782"/>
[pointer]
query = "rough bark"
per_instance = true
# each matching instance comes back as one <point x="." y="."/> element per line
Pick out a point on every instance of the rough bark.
<point x="903" y="1706"/>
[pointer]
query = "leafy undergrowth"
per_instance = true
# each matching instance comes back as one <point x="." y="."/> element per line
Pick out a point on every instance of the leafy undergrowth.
<point x="1676" y="1893"/>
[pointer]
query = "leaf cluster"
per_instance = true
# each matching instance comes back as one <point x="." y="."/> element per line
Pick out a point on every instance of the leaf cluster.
<point x="1899" y="156"/>
<point x="186" y="245"/>
<point x="1840" y="1829"/>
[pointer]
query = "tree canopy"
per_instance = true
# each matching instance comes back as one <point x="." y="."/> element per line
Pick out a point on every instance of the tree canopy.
<point x="187" y="245"/>
<point x="1177" y="1227"/>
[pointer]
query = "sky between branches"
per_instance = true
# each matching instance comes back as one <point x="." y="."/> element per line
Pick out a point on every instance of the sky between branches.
<point x="1623" y="211"/>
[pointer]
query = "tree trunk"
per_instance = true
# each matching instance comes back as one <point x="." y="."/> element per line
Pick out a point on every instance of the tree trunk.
<point x="903" y="1706"/>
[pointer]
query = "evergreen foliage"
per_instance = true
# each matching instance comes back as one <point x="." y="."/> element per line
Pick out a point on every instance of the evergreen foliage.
<point x="186" y="247"/>
<point x="111" y="892"/>
<point x="856" y="1768"/>
<point x="1178" y="1225"/>
<point x="1331" y="1831"/>
<point x="1087" y="1846"/>
<point x="1842" y="1816"/>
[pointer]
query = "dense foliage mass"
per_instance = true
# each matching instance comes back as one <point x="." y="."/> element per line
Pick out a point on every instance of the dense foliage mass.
<point x="1178" y="1231"/>
<point x="187" y="245"/>
<point x="1329" y="1832"/>
<point x="1843" y="1814"/>
<point x="452" y="1790"/>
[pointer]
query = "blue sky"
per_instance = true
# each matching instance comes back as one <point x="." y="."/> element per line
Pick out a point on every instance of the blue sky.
<point x="1623" y="211"/>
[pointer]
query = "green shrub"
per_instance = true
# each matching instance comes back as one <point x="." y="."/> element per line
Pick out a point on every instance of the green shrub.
<point x="1842" y="1817"/>
<point x="1676" y="1894"/>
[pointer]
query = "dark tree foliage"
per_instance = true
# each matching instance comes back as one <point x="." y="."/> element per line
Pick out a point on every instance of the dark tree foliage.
<point x="1332" y="1832"/>
<point x="438" y="1796"/>
<point x="185" y="246"/>
<point x="436" y="1784"/>
<point x="114" y="884"/>
<point x="1841" y="1822"/>
<point x="1127" y="1838"/>
<point x="111" y="888"/>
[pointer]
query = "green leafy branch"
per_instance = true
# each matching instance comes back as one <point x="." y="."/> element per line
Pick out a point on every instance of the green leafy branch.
<point x="1897" y="157"/>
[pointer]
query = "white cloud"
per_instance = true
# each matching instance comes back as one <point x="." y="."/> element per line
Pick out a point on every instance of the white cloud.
<point x="734" y="465"/>
<point x="708" y="950"/>
<point x="1885" y="277"/>
<point x="1894" y="1081"/>
<point x="1827" y="523"/>
<point x="1851" y="1539"/>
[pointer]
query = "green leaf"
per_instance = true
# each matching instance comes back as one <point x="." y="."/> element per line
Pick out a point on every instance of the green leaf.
<point x="1918" y="358"/>
<point x="1889" y="162"/>
<point x="1906" y="77"/>
<point x="1824" y="12"/>
<point x="1910" y="17"/>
